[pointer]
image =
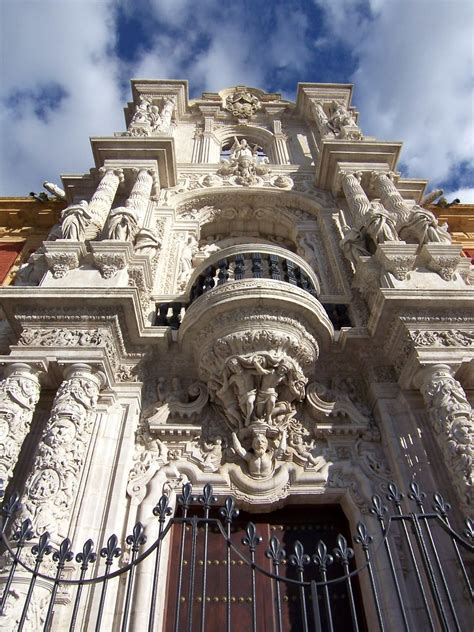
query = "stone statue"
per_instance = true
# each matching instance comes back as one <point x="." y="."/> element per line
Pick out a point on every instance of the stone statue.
<point x="121" y="224"/>
<point x="241" y="383"/>
<point x="147" y="243"/>
<point x="307" y="249"/>
<point x="424" y="228"/>
<point x="74" y="221"/>
<point x="188" y="250"/>
<point x="298" y="447"/>
<point x="260" y="459"/>
<point x="353" y="245"/>
<point x="342" y="122"/>
<point x="148" y="118"/>
<point x="212" y="454"/>
<point x="379" y="225"/>
<point x="165" y="116"/>
<point x="267" y="394"/>
<point x="54" y="190"/>
<point x="259" y="386"/>
<point x="243" y="163"/>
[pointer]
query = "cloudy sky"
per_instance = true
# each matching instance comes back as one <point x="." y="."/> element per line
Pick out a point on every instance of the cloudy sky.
<point x="66" y="65"/>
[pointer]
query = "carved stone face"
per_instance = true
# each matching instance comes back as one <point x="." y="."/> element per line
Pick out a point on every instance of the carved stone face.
<point x="259" y="445"/>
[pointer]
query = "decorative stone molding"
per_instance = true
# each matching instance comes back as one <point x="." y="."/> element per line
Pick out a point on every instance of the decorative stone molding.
<point x="57" y="467"/>
<point x="343" y="412"/>
<point x="66" y="337"/>
<point x="63" y="255"/>
<point x="441" y="338"/>
<point x="19" y="394"/>
<point x="452" y="420"/>
<point x="177" y="403"/>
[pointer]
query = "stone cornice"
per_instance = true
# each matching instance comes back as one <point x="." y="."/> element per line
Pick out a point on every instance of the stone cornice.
<point x="88" y="309"/>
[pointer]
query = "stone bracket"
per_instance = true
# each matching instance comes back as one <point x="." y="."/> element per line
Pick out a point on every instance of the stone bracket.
<point x="444" y="259"/>
<point x="398" y="258"/>
<point x="63" y="255"/>
<point x="110" y="256"/>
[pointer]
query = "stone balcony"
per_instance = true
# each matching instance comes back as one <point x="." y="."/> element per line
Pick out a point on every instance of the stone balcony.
<point x="258" y="267"/>
<point x="254" y="298"/>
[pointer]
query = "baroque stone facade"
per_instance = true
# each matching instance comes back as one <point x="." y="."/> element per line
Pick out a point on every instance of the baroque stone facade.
<point x="243" y="291"/>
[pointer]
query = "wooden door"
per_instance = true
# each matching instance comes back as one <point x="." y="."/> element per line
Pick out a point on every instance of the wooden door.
<point x="185" y="586"/>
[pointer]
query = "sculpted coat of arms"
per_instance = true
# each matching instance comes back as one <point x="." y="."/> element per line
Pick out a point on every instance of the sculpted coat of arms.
<point x="242" y="104"/>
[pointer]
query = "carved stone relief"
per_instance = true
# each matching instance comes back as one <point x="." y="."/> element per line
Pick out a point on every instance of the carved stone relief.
<point x="19" y="394"/>
<point x="452" y="420"/>
<point x="51" y="486"/>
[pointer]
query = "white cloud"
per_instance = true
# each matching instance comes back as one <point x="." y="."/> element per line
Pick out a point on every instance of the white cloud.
<point x="465" y="196"/>
<point x="414" y="77"/>
<point x="65" y="44"/>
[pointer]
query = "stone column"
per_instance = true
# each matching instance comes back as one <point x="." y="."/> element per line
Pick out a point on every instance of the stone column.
<point x="141" y="191"/>
<point x="52" y="485"/>
<point x="370" y="217"/>
<point x="390" y="196"/>
<point x="355" y="195"/>
<point x="101" y="201"/>
<point x="321" y="120"/>
<point x="123" y="222"/>
<point x="452" y="421"/>
<point x="19" y="394"/>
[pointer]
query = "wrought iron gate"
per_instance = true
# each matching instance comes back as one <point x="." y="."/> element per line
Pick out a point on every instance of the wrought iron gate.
<point x="302" y="598"/>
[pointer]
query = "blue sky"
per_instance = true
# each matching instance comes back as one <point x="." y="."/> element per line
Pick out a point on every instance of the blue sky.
<point x="66" y="66"/>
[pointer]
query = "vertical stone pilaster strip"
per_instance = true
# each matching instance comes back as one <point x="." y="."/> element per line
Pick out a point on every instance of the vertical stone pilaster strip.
<point x="101" y="201"/>
<point x="452" y="420"/>
<point x="19" y="394"/>
<point x="51" y="487"/>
